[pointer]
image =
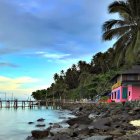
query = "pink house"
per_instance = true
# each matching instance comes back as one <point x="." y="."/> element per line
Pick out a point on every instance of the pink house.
<point x="126" y="85"/>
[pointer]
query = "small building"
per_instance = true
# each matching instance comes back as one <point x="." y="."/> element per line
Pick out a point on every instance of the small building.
<point x="126" y="85"/>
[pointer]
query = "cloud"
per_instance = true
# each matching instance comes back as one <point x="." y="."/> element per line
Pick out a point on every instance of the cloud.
<point x="66" y="26"/>
<point x="13" y="84"/>
<point x="8" y="64"/>
<point x="52" y="55"/>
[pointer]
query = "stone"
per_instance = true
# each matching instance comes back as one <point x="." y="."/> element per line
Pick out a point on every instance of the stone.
<point x="117" y="132"/>
<point x="100" y="138"/>
<point x="59" y="137"/>
<point x="41" y="120"/>
<point x="29" y="138"/>
<point x="92" y="116"/>
<point x="102" y="124"/>
<point x="79" y="120"/>
<point x="40" y="125"/>
<point x="40" y="133"/>
<point x="56" y="125"/>
<point x="30" y="122"/>
<point x="74" y="126"/>
<point x="134" y="137"/>
<point x="137" y="109"/>
<point x="61" y="130"/>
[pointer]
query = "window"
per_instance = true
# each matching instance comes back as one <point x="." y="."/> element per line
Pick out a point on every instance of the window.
<point x="112" y="95"/>
<point x="129" y="93"/>
<point x="115" y="95"/>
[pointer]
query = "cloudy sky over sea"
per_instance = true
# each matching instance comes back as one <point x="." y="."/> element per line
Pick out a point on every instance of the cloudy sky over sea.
<point x="41" y="37"/>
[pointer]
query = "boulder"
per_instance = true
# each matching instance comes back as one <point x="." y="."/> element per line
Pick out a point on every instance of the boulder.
<point x="79" y="120"/>
<point x="30" y="122"/>
<point x="40" y="133"/>
<point x="41" y="120"/>
<point x="100" y="138"/>
<point x="55" y="131"/>
<point x="56" y="125"/>
<point x="40" y="125"/>
<point x="118" y="132"/>
<point x="92" y="116"/>
<point x="29" y="138"/>
<point x="102" y="124"/>
<point x="59" y="137"/>
<point x="134" y="137"/>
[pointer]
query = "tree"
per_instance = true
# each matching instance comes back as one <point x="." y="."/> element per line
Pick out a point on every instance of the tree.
<point x="56" y="77"/>
<point x="126" y="29"/>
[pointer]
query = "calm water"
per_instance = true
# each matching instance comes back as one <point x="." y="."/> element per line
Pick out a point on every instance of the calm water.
<point x="14" y="123"/>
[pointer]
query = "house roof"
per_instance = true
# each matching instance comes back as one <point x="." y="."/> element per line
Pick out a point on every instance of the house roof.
<point x="133" y="70"/>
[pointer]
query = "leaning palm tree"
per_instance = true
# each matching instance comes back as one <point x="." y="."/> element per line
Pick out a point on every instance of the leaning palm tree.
<point x="126" y="29"/>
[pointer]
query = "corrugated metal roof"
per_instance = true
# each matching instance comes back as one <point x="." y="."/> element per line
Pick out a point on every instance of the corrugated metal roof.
<point x="133" y="70"/>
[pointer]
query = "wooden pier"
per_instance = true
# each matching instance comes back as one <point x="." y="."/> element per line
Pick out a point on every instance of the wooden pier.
<point x="53" y="103"/>
<point x="18" y="103"/>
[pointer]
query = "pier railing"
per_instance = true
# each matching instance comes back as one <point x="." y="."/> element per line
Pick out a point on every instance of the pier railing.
<point x="36" y="103"/>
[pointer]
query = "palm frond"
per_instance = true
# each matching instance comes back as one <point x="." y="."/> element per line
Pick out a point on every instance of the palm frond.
<point x="117" y="32"/>
<point x="119" y="7"/>
<point x="111" y="23"/>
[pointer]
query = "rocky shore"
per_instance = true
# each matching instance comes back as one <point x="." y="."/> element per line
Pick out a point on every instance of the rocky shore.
<point x="96" y="122"/>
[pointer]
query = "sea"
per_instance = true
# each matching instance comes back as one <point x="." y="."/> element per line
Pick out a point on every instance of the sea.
<point x="14" y="122"/>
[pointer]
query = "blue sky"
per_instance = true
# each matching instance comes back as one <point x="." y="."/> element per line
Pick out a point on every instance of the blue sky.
<point x="41" y="37"/>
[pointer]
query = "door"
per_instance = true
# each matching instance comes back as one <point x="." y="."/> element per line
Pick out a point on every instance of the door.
<point x="118" y="96"/>
<point x="124" y="93"/>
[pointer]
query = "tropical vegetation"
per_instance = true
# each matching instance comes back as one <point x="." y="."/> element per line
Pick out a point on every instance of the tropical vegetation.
<point x="86" y="80"/>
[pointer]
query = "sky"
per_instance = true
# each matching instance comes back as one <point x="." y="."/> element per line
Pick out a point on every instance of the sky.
<point x="41" y="37"/>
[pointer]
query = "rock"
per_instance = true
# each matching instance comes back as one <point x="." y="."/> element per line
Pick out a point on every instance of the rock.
<point x="132" y="113"/>
<point x="62" y="117"/>
<point x="100" y="138"/>
<point x="102" y="124"/>
<point x="40" y="133"/>
<point x="55" y="131"/>
<point x="50" y="123"/>
<point x="80" y="108"/>
<point x="59" y="137"/>
<point x="118" y="132"/>
<point x="29" y="138"/>
<point x="135" y="123"/>
<point x="30" y="122"/>
<point x="79" y="120"/>
<point x="40" y="125"/>
<point x="56" y="125"/>
<point x="134" y="137"/>
<point x="74" y="126"/>
<point x="137" y="109"/>
<point x="92" y="116"/>
<point x="41" y="120"/>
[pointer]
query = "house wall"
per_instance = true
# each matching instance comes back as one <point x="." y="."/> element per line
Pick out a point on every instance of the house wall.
<point x="130" y="93"/>
<point x="136" y="92"/>
<point x="117" y="91"/>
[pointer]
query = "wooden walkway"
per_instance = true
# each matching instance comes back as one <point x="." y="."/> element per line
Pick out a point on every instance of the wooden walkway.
<point x="34" y="103"/>
<point x="28" y="103"/>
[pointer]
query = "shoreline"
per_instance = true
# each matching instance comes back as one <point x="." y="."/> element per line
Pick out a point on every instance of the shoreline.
<point x="97" y="121"/>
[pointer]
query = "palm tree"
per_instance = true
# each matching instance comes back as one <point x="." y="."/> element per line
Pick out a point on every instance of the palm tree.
<point x="56" y="77"/>
<point x="126" y="29"/>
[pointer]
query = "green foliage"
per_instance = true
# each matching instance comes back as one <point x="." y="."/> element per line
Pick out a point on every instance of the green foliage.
<point x="86" y="80"/>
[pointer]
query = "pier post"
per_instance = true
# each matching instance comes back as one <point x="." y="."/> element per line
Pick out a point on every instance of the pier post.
<point x="8" y="104"/>
<point x="23" y="104"/>
<point x="15" y="103"/>
<point x="0" y="104"/>
<point x="46" y="104"/>
<point x="38" y="104"/>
